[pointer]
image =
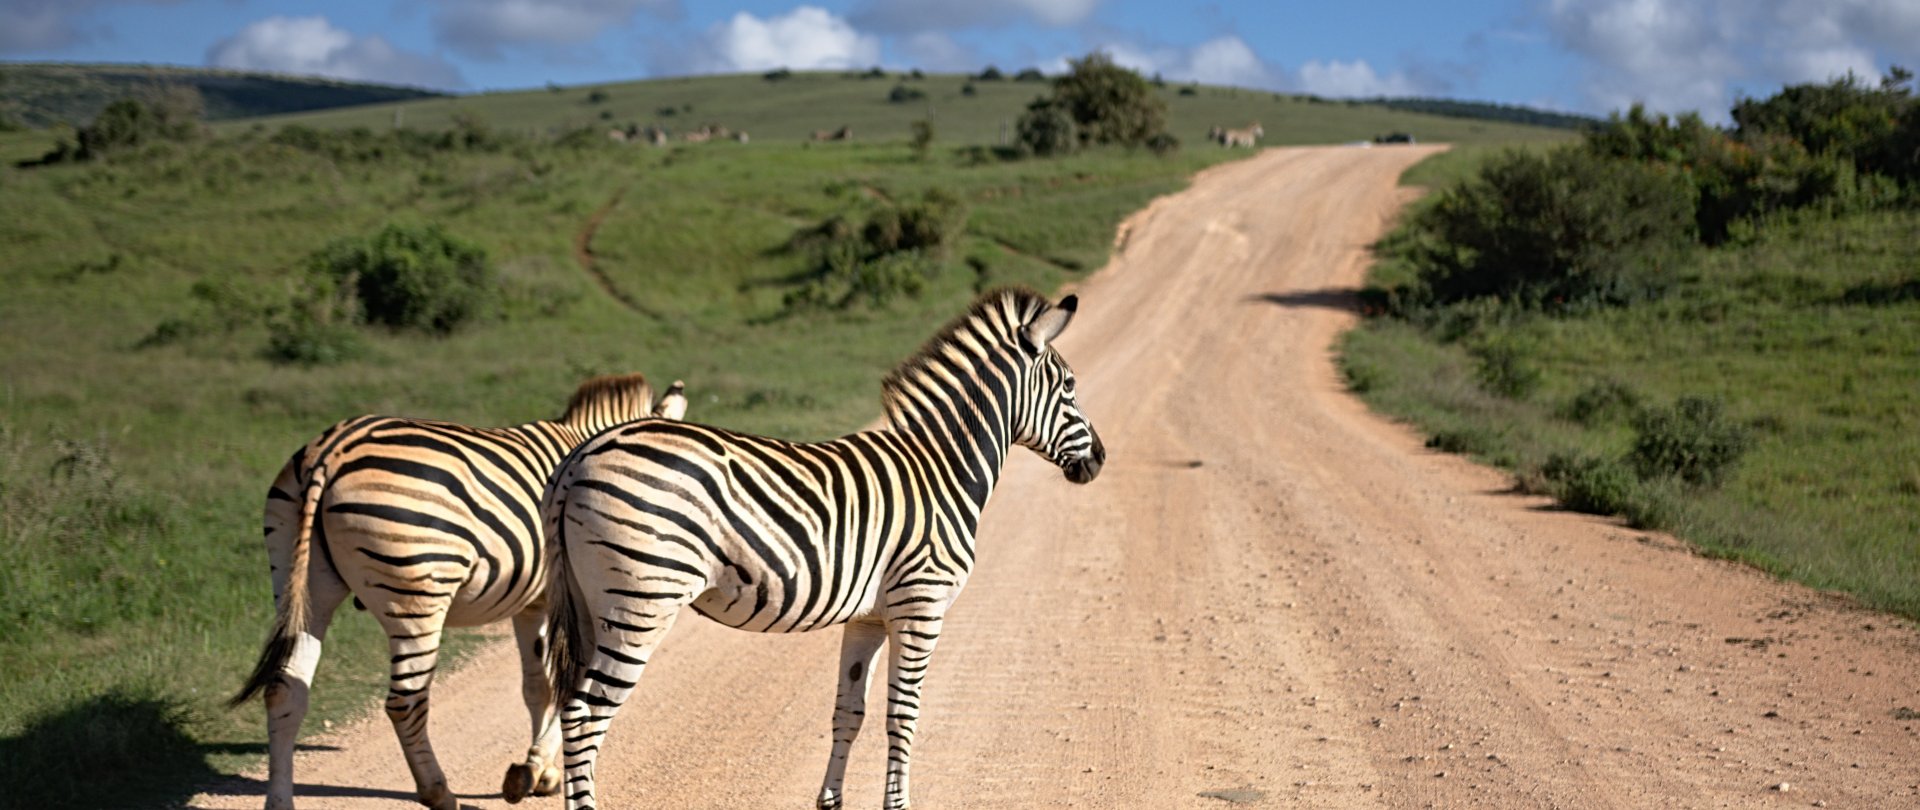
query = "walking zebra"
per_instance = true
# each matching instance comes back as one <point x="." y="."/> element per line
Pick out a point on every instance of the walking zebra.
<point x="426" y="525"/>
<point x="874" y="530"/>
<point x="1241" y="137"/>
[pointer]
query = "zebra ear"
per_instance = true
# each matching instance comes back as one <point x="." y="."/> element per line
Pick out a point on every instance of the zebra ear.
<point x="1049" y="324"/>
<point x="673" y="404"/>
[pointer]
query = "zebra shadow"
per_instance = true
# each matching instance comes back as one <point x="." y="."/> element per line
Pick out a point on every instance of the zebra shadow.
<point x="120" y="749"/>
<point x="1344" y="299"/>
<point x="255" y="790"/>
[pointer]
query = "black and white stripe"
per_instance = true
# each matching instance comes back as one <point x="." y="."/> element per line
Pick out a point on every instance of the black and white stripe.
<point x="426" y="525"/>
<point x="874" y="530"/>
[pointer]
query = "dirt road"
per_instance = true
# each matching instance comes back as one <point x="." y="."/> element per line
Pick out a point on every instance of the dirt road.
<point x="1271" y="597"/>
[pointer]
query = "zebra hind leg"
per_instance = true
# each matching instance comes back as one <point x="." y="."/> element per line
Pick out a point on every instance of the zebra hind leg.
<point x="858" y="651"/>
<point x="629" y="626"/>
<point x="286" y="697"/>
<point x="413" y="637"/>
<point x="539" y="774"/>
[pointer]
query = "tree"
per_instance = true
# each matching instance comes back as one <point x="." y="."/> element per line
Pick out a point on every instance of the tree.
<point x="1109" y="104"/>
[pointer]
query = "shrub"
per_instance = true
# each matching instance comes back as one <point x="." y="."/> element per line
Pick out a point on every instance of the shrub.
<point x="777" y="74"/>
<point x="408" y="277"/>
<point x="922" y="137"/>
<point x="1602" y="403"/>
<point x="1163" y="143"/>
<point x="1464" y="441"/>
<point x="1030" y="75"/>
<point x="1109" y="104"/>
<point x="1046" y="130"/>
<point x="901" y="94"/>
<point x="598" y="97"/>
<point x="302" y="338"/>
<point x="1504" y="371"/>
<point x="968" y="90"/>
<point x="1571" y="229"/>
<point x="892" y="254"/>
<point x="991" y="74"/>
<point x="1189" y="91"/>
<point x="1693" y="440"/>
<point x="1592" y="484"/>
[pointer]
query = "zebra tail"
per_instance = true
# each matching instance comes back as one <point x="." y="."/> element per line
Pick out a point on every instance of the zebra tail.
<point x="290" y="615"/>
<point x="569" y="630"/>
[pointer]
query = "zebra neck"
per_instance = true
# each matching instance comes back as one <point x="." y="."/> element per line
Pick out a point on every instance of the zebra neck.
<point x="966" y="433"/>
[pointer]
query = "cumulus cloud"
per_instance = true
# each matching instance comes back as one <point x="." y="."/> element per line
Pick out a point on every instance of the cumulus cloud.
<point x="49" y="25"/>
<point x="905" y="16"/>
<point x="1692" y="56"/>
<point x="1224" y="60"/>
<point x="484" y="29"/>
<point x="1355" y="79"/>
<point x="313" y="46"/>
<point x="806" y="38"/>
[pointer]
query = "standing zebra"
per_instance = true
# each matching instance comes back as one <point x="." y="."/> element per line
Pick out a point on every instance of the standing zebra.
<point x="874" y="530"/>
<point x="425" y="524"/>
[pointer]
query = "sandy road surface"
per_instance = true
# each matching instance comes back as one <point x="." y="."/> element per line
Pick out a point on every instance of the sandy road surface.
<point x="1271" y="597"/>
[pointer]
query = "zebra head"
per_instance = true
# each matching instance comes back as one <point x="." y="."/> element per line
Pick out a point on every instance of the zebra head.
<point x="1048" y="418"/>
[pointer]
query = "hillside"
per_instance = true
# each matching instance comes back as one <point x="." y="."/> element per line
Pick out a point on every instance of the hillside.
<point x="39" y="95"/>
<point x="790" y="108"/>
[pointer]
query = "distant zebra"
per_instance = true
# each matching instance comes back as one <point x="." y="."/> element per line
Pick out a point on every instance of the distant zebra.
<point x="426" y="525"/>
<point x="1241" y="137"/>
<point x="844" y="133"/>
<point x="874" y="530"/>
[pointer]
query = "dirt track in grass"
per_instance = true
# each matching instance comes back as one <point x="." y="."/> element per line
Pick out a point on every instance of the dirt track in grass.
<point x="1270" y="598"/>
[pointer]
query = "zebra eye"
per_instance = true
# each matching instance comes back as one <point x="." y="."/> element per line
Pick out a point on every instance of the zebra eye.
<point x="1066" y="385"/>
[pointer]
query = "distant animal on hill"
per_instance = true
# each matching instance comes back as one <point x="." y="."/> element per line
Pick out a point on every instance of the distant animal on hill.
<point x="426" y="525"/>
<point x="1241" y="137"/>
<point x="842" y="134"/>
<point x="740" y="136"/>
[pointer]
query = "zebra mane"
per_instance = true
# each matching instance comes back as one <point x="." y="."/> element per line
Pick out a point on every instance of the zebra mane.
<point x="608" y="393"/>
<point x="997" y="312"/>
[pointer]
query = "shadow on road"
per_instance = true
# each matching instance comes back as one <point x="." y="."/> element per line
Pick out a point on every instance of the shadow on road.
<point x="1344" y="299"/>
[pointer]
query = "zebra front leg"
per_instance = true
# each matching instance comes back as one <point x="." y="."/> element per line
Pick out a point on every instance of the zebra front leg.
<point x="539" y="775"/>
<point x="912" y="639"/>
<point x="628" y="626"/>
<point x="858" y="645"/>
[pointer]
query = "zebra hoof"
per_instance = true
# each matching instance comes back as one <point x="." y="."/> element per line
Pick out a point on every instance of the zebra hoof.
<point x="549" y="782"/>
<point x="518" y="784"/>
<point x="439" y="797"/>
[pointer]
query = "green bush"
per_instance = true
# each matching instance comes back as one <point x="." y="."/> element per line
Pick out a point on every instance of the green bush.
<point x="902" y="94"/>
<point x="1602" y="403"/>
<point x="1694" y="441"/>
<point x="1505" y="372"/>
<point x="1109" y="104"/>
<point x="991" y="74"/>
<point x="1030" y="75"/>
<point x="1591" y="484"/>
<point x="1046" y="130"/>
<point x="891" y="255"/>
<point x="1163" y="144"/>
<point x="922" y="138"/>
<point x="1568" y="230"/>
<point x="304" y="339"/>
<point x="409" y="277"/>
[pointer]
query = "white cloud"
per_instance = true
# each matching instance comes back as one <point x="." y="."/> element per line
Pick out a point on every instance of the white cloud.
<point x="484" y="28"/>
<point x="1676" y="57"/>
<point x="1226" y="60"/>
<point x="313" y="46"/>
<point x="1355" y="79"/>
<point x="806" y="38"/>
<point x="900" y="16"/>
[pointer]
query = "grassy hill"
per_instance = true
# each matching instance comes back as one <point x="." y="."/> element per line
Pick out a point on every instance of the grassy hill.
<point x="141" y="415"/>
<point x="789" y="109"/>
<point x="41" y="95"/>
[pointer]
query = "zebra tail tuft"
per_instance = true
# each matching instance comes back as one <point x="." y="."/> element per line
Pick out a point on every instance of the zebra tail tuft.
<point x="290" y="614"/>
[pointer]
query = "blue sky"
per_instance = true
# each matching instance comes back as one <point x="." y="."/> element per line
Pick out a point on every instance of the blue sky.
<point x="1581" y="55"/>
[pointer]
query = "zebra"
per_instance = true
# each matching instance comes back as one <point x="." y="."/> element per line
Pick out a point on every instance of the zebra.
<point x="426" y="524"/>
<point x="1241" y="137"/>
<point x="874" y="530"/>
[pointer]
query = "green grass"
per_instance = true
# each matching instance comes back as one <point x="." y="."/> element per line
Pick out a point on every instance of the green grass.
<point x="140" y="422"/>
<point x="788" y="110"/>
<point x="1806" y="331"/>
